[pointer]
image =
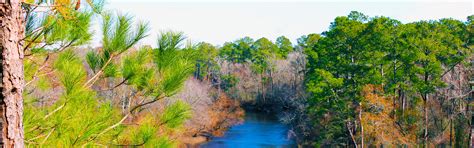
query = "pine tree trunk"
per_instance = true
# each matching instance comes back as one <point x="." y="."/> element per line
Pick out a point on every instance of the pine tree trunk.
<point x="263" y="88"/>
<point x="361" y="127"/>
<point x="11" y="103"/>
<point x="425" y="109"/>
<point x="450" y="131"/>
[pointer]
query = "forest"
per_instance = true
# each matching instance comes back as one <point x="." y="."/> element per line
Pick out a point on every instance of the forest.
<point x="368" y="81"/>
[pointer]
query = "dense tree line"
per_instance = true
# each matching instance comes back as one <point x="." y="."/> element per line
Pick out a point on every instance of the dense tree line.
<point x="225" y="65"/>
<point x="411" y="63"/>
<point x="408" y="82"/>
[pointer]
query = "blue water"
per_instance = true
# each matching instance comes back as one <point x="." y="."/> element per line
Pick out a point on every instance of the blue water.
<point x="257" y="131"/>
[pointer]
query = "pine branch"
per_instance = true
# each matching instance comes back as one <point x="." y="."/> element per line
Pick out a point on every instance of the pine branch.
<point x="121" y="83"/>
<point x="49" y="134"/>
<point x="31" y="43"/>
<point x="146" y="103"/>
<point x="56" y="110"/>
<point x="94" y="78"/>
<point x="67" y="45"/>
<point x="130" y="145"/>
<point x="36" y="5"/>
<point x="37" y="71"/>
<point x="33" y="32"/>
<point x="127" y="115"/>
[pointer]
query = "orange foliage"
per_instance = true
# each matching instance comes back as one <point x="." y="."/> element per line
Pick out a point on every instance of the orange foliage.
<point x="379" y="126"/>
<point x="225" y="112"/>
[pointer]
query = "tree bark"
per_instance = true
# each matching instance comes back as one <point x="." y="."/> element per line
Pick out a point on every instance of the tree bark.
<point x="12" y="79"/>
<point x="425" y="109"/>
<point x="361" y="127"/>
<point x="263" y="88"/>
<point x="348" y="125"/>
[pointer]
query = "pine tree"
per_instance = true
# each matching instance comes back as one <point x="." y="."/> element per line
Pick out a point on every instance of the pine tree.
<point x="11" y="103"/>
<point x="81" y="115"/>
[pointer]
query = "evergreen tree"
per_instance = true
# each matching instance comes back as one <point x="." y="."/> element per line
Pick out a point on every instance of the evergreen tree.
<point x="80" y="115"/>
<point x="284" y="46"/>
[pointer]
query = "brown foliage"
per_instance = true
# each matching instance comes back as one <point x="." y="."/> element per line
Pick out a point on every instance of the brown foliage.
<point x="224" y="113"/>
<point x="213" y="112"/>
<point x="377" y="120"/>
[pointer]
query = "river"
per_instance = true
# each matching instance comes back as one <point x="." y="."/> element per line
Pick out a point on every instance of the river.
<point x="258" y="130"/>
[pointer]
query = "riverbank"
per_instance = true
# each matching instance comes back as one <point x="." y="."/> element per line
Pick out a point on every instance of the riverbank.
<point x="212" y="113"/>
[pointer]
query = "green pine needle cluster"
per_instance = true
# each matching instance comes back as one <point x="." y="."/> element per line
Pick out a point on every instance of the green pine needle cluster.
<point x="76" y="117"/>
<point x="76" y="114"/>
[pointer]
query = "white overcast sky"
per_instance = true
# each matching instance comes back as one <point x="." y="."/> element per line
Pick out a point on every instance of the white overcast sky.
<point x="218" y="21"/>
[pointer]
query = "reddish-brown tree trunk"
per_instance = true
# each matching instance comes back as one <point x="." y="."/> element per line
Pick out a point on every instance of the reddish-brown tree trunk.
<point x="11" y="101"/>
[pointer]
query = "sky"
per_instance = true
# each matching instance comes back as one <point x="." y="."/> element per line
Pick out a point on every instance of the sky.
<point x="219" y="21"/>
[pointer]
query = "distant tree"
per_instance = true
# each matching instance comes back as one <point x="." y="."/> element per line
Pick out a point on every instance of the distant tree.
<point x="263" y="51"/>
<point x="284" y="46"/>
<point x="228" y="52"/>
<point x="436" y="49"/>
<point x="335" y="76"/>
<point x="308" y="41"/>
<point x="408" y="60"/>
<point x="238" y="51"/>
<point x="206" y="62"/>
<point x="244" y="45"/>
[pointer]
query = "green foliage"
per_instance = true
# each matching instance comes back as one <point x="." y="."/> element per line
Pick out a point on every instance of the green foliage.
<point x="58" y="27"/>
<point x="206" y="60"/>
<point x="239" y="51"/>
<point x="284" y="46"/>
<point x="175" y="114"/>
<point x="357" y="50"/>
<point x="169" y="44"/>
<point x="30" y="69"/>
<point x="76" y="117"/>
<point x="118" y="37"/>
<point x="135" y="69"/>
<point x="79" y="115"/>
<point x="118" y="34"/>
<point x="228" y="81"/>
<point x="404" y="58"/>
<point x="263" y="51"/>
<point x="173" y="64"/>
<point x="75" y="32"/>
<point x="43" y="83"/>
<point x="94" y="60"/>
<point x="72" y="73"/>
<point x="145" y="135"/>
<point x="170" y="41"/>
